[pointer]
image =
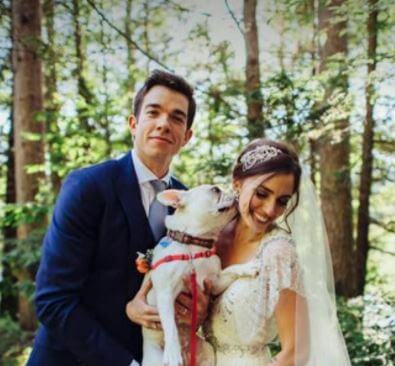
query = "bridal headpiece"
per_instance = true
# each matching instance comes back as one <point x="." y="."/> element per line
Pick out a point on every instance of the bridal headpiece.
<point x="258" y="155"/>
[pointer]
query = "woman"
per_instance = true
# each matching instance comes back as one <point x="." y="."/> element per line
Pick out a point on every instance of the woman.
<point x="284" y="285"/>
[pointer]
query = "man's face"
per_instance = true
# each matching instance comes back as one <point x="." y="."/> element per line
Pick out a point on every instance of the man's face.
<point x="160" y="130"/>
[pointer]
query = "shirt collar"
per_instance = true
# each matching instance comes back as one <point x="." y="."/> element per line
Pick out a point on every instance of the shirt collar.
<point x="143" y="173"/>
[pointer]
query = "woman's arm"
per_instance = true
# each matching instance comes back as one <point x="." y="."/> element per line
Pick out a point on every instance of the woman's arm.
<point x="285" y="318"/>
<point x="291" y="314"/>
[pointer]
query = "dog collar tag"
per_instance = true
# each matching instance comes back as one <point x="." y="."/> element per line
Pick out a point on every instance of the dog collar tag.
<point x="164" y="243"/>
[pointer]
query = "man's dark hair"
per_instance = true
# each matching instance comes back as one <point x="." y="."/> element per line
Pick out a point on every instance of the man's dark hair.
<point x="171" y="81"/>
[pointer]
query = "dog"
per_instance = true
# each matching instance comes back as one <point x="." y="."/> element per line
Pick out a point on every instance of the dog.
<point x="200" y="214"/>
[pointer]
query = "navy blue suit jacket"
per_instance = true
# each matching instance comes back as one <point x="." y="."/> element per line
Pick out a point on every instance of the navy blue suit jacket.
<point x="87" y="272"/>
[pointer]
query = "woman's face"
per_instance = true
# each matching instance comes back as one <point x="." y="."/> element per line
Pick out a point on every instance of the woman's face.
<point x="260" y="205"/>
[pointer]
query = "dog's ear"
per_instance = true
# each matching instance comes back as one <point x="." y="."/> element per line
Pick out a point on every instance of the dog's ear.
<point x="171" y="197"/>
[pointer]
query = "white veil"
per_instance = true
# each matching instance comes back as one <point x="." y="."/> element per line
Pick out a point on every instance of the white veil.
<point x="319" y="340"/>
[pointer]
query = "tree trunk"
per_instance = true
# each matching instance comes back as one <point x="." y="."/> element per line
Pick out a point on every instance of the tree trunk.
<point x="146" y="40"/>
<point x="281" y="47"/>
<point x="83" y="89"/>
<point x="254" y="98"/>
<point x="9" y="299"/>
<point x="334" y="150"/>
<point x="105" y="121"/>
<point x="27" y="101"/>
<point x="9" y="296"/>
<point x="313" y="52"/>
<point x="313" y="160"/>
<point x="52" y="106"/>
<point x="131" y="81"/>
<point x="362" y="244"/>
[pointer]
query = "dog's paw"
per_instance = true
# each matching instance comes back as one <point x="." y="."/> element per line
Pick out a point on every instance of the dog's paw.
<point x="172" y="356"/>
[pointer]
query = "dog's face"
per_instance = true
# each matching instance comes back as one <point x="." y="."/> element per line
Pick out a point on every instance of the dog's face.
<point x="202" y="211"/>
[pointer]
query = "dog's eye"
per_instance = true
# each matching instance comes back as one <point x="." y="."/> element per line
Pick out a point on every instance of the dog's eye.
<point x="215" y="189"/>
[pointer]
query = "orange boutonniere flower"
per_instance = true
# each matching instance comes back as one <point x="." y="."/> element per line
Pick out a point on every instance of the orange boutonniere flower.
<point x="143" y="261"/>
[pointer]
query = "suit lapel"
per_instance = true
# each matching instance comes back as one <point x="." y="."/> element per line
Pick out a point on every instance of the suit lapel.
<point x="128" y="191"/>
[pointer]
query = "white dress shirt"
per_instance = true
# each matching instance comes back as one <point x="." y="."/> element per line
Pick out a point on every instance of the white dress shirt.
<point x="144" y="176"/>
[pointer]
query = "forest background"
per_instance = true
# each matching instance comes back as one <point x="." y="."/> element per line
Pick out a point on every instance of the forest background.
<point x="319" y="74"/>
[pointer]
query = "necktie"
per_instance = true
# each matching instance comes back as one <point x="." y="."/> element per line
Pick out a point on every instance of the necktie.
<point x="157" y="211"/>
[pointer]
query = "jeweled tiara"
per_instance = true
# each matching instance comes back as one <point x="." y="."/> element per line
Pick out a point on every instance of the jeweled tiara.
<point x="258" y="155"/>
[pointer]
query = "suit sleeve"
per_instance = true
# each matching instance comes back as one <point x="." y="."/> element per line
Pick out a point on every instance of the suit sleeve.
<point x="68" y="250"/>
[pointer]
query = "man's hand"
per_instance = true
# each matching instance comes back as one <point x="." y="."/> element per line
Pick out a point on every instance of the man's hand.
<point x="183" y="305"/>
<point x="139" y="312"/>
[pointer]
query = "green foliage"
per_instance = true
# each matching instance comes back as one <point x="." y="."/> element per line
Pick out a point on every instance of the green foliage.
<point x="368" y="325"/>
<point x="24" y="253"/>
<point x="20" y="255"/>
<point x="14" y="215"/>
<point x="15" y="343"/>
<point x="288" y="106"/>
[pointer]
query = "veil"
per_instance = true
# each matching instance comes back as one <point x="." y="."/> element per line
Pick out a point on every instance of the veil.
<point x="319" y="340"/>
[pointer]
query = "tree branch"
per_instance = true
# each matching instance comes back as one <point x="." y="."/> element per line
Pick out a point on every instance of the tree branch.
<point x="381" y="250"/>
<point x="232" y="14"/>
<point x="123" y="34"/>
<point x="385" y="145"/>
<point x="389" y="226"/>
<point x="176" y="6"/>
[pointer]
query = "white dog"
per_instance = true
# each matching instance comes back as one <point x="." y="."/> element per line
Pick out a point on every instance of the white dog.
<point x="201" y="213"/>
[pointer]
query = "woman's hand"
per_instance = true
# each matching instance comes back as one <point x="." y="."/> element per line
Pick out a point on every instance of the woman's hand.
<point x="139" y="312"/>
<point x="183" y="304"/>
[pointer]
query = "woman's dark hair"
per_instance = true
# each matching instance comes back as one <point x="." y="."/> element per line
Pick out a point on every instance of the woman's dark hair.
<point x="171" y="81"/>
<point x="285" y="162"/>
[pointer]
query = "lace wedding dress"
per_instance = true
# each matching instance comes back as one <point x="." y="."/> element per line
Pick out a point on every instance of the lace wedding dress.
<point x="241" y="322"/>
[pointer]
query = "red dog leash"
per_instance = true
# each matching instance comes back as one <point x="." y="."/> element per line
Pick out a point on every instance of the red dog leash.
<point x="143" y="266"/>
<point x="192" y="337"/>
<point x="183" y="257"/>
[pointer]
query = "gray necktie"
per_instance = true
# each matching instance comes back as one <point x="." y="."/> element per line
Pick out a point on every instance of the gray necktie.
<point x="157" y="211"/>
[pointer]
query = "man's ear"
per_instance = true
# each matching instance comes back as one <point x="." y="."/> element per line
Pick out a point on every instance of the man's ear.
<point x="188" y="136"/>
<point x="132" y="121"/>
<point x="171" y="197"/>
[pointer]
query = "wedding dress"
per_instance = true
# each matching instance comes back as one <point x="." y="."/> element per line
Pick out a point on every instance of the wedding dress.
<point x="241" y="322"/>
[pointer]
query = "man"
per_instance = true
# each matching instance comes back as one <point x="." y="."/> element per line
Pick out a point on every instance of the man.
<point x="87" y="274"/>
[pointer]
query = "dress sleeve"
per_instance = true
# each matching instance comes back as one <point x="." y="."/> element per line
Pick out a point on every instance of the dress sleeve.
<point x="279" y="270"/>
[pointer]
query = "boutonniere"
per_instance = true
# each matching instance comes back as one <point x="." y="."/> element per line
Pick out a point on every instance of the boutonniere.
<point x="144" y="260"/>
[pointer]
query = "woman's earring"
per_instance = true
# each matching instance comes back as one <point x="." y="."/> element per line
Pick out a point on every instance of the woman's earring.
<point x="237" y="195"/>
